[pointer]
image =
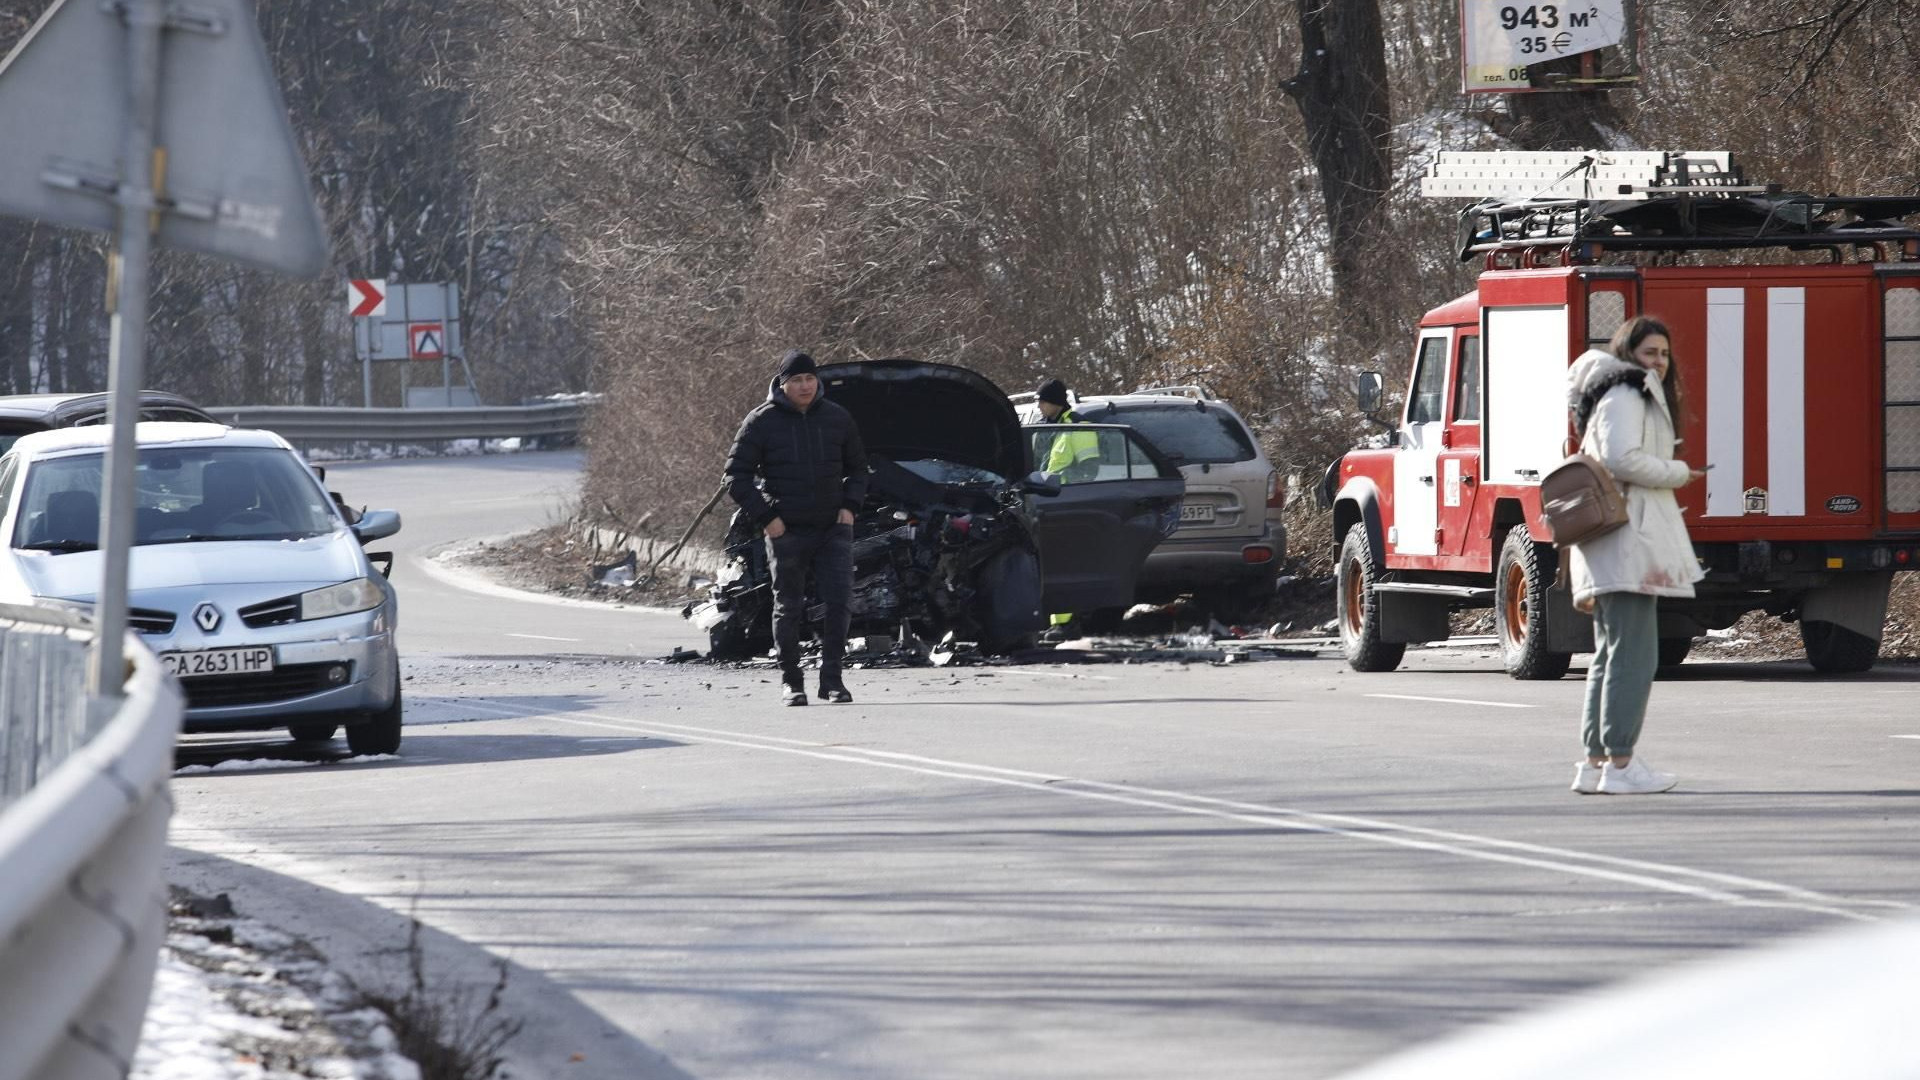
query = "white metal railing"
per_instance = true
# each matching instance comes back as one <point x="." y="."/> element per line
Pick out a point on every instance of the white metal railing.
<point x="82" y="833"/>
<point x="43" y="702"/>
<point x="312" y="424"/>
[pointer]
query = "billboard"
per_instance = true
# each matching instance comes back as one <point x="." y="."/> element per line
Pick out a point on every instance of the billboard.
<point x="1508" y="47"/>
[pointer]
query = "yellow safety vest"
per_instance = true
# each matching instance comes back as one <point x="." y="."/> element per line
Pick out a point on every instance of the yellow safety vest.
<point x="1071" y="447"/>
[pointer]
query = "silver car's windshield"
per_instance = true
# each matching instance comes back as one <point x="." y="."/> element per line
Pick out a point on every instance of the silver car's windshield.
<point x="181" y="494"/>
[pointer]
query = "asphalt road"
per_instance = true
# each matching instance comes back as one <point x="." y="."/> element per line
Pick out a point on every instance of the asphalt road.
<point x="1277" y="868"/>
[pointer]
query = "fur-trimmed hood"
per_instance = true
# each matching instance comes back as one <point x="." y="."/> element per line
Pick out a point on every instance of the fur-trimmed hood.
<point x="1592" y="375"/>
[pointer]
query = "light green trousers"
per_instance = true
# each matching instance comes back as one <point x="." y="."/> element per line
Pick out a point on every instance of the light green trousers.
<point x="1626" y="637"/>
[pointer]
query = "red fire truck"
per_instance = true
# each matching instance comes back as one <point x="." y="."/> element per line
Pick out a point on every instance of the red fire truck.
<point x="1796" y="328"/>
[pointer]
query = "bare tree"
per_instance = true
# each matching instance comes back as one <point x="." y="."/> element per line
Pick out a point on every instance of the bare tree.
<point x="1342" y="92"/>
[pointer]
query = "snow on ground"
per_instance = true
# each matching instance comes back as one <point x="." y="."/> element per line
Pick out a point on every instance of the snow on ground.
<point x="236" y="1000"/>
<point x="366" y="451"/>
<point x="264" y="764"/>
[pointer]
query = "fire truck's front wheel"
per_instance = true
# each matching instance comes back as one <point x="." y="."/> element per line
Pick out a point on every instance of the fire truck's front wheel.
<point x="1521" y="581"/>
<point x="1360" y="608"/>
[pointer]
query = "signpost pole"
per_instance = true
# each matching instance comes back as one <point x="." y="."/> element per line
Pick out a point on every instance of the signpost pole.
<point x="363" y="343"/>
<point x="447" y="315"/>
<point x="126" y="351"/>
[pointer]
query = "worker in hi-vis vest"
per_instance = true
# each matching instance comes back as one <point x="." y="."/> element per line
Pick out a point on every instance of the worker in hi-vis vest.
<point x="1073" y="456"/>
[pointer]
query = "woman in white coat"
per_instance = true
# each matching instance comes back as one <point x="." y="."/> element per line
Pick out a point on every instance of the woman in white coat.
<point x="1626" y="402"/>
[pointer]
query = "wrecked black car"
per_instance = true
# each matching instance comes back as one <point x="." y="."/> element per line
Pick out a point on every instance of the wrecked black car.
<point x="958" y="537"/>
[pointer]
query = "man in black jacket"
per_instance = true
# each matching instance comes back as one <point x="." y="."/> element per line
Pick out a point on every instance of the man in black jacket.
<point x="811" y="468"/>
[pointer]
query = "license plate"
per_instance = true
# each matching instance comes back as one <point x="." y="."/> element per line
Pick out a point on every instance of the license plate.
<point x="1201" y="512"/>
<point x="187" y="665"/>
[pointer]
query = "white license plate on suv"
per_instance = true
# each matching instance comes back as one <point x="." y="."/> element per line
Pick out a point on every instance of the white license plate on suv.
<point x="248" y="661"/>
<point x="1200" y="512"/>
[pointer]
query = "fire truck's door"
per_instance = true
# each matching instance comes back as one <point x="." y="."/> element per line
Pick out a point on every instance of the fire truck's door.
<point x="1416" y="498"/>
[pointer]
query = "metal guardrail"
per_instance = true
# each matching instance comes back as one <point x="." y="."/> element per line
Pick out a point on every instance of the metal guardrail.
<point x="82" y="903"/>
<point x="312" y="424"/>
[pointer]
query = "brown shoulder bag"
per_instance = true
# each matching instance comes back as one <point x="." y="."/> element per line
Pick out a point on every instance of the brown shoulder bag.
<point x="1582" y="500"/>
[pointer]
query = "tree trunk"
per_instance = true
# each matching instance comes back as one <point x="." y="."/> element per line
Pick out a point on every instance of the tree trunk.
<point x="1342" y="94"/>
<point x="314" y="352"/>
<point x="16" y="306"/>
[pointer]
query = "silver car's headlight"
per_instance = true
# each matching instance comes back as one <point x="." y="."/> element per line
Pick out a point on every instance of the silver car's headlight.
<point x="345" y="598"/>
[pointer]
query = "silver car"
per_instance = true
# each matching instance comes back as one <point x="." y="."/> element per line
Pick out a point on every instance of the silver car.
<point x="1231" y="540"/>
<point x="245" y="576"/>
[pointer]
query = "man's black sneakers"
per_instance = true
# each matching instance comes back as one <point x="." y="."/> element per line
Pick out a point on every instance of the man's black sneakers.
<point x="835" y="693"/>
<point x="793" y="691"/>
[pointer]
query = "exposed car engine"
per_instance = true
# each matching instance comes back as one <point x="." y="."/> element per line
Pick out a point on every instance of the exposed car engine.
<point x="938" y="548"/>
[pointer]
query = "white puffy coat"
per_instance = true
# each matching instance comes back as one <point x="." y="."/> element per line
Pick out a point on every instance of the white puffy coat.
<point x="1632" y="434"/>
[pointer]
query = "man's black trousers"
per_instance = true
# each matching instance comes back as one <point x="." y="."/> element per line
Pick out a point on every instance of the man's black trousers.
<point x="824" y="553"/>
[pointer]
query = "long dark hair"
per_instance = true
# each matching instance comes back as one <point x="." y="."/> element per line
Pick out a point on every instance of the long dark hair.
<point x="1628" y="338"/>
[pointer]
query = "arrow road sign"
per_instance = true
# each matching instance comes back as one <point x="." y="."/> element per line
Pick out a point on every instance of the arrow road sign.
<point x="429" y="340"/>
<point x="367" y="297"/>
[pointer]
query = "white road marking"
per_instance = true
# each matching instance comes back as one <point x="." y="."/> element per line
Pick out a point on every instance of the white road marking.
<point x="1454" y="701"/>
<point x="1712" y="886"/>
<point x="543" y="637"/>
<point x="1904" y="736"/>
<point x="1053" y="674"/>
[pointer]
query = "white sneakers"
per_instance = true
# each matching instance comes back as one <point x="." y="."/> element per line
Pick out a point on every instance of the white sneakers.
<point x="1636" y="779"/>
<point x="1586" y="778"/>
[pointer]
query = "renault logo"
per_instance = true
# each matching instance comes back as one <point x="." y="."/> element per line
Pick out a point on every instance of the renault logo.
<point x="207" y="617"/>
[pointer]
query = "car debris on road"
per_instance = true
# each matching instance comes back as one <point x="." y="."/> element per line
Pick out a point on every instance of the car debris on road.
<point x="956" y="535"/>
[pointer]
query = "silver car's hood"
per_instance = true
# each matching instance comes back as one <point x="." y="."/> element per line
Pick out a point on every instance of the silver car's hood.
<point x="298" y="564"/>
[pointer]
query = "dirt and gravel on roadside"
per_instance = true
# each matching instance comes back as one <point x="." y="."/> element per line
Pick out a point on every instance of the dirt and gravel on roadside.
<point x="553" y="561"/>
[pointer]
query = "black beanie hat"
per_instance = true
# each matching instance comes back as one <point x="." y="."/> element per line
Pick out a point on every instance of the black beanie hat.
<point x="1055" y="391"/>
<point x="794" y="363"/>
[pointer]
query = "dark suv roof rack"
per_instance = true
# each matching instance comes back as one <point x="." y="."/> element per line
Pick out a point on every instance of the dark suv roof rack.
<point x="1592" y="201"/>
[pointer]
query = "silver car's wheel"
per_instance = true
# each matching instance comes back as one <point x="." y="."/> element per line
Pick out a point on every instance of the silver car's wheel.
<point x="379" y="733"/>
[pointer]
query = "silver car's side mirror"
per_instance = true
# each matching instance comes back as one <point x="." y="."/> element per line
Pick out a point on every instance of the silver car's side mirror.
<point x="1369" y="387"/>
<point x="1039" y="483"/>
<point x="377" y="524"/>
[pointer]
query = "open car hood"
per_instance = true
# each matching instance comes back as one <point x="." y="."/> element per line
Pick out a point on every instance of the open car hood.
<point x="910" y="409"/>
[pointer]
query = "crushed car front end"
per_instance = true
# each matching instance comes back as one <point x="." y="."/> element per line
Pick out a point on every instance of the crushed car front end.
<point x="944" y="544"/>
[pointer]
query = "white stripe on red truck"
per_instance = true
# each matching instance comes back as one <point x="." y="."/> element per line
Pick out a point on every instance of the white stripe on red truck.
<point x="1786" y="402"/>
<point x="1726" y="401"/>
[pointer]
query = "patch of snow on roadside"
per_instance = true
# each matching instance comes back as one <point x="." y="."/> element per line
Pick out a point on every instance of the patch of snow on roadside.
<point x="234" y="999"/>
<point x="181" y="1039"/>
<point x="268" y="764"/>
<point x="247" y="765"/>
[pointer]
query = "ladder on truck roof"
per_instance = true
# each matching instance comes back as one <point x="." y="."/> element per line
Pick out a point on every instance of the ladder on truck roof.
<point x="1581" y="174"/>
<point x="1589" y="201"/>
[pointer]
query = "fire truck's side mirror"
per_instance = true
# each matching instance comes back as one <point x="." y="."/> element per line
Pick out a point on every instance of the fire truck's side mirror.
<point x="1368" y="388"/>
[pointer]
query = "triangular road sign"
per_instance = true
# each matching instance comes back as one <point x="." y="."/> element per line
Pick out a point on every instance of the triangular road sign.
<point x="238" y="186"/>
<point x="428" y="341"/>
